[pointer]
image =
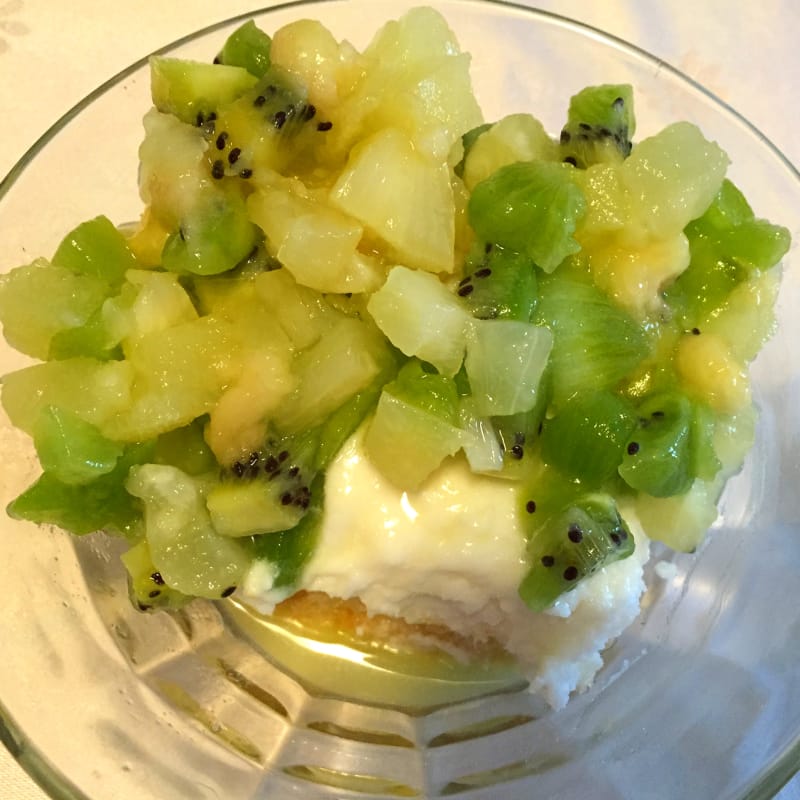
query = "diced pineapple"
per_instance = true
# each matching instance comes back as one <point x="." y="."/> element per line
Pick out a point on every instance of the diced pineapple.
<point x="172" y="173"/>
<point x="237" y="422"/>
<point x="95" y="391"/>
<point x="316" y="243"/>
<point x="672" y="178"/>
<point x="634" y="276"/>
<point x="339" y="365"/>
<point x="746" y="319"/>
<point x="309" y="51"/>
<point x="709" y="371"/>
<point x="517" y="137"/>
<point x="413" y="76"/>
<point x="415" y="218"/>
<point x="422" y="318"/>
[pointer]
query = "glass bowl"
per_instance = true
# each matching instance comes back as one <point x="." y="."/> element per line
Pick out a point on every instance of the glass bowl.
<point x="700" y="698"/>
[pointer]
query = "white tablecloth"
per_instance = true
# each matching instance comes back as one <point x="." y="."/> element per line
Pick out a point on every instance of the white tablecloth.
<point x="53" y="53"/>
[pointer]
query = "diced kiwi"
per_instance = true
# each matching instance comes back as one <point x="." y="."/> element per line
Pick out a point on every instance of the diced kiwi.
<point x="186" y="550"/>
<point x="499" y="284"/>
<point x="146" y="586"/>
<point x="670" y="447"/>
<point x="71" y="449"/>
<point x="600" y="125"/>
<point x="186" y="449"/>
<point x="572" y="544"/>
<point x="587" y="437"/>
<point x="468" y="139"/>
<point x="249" y="47"/>
<point x="415" y="426"/>
<point x="214" y="238"/>
<point x="531" y="207"/>
<point x="102" y="504"/>
<point x="595" y="343"/>
<point x="290" y="550"/>
<point x="192" y="90"/>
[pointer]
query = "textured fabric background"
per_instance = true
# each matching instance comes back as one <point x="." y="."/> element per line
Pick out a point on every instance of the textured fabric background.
<point x="54" y="53"/>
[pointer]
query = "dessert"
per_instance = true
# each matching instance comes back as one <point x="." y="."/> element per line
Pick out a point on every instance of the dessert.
<point x="348" y="292"/>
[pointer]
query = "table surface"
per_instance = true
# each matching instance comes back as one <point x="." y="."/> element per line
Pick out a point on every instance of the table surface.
<point x="733" y="47"/>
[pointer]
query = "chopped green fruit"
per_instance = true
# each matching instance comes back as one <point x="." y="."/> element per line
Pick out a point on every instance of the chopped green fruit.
<point x="659" y="455"/>
<point x="290" y="550"/>
<point x="571" y="545"/>
<point x="146" y="586"/>
<point x="530" y="207"/>
<point x="102" y="504"/>
<point x="600" y="125"/>
<point x="501" y="284"/>
<point x="214" y="239"/>
<point x="595" y="343"/>
<point x="415" y="426"/>
<point x="587" y="438"/>
<point x="41" y="300"/>
<point x="468" y="139"/>
<point x="191" y="90"/>
<point x="186" y="550"/>
<point x="71" y="450"/>
<point x="186" y="449"/>
<point x="98" y="249"/>
<point x="505" y="362"/>
<point x="93" y="339"/>
<point x="248" y="46"/>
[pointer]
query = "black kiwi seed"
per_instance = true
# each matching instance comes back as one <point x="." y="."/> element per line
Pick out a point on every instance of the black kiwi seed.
<point x="234" y="154"/>
<point x="570" y="573"/>
<point x="286" y="498"/>
<point x="517" y="451"/>
<point x="294" y="471"/>
<point x="218" y="170"/>
<point x="633" y="448"/>
<point x="259" y="101"/>
<point x="565" y="137"/>
<point x="484" y="272"/>
<point x="246" y="173"/>
<point x="155" y="593"/>
<point x="310" y="112"/>
<point x="283" y="455"/>
<point x="465" y="290"/>
<point x="324" y="126"/>
<point x="615" y="537"/>
<point x="465" y="281"/>
<point x="695" y="331"/>
<point x="200" y="119"/>
<point x="584" y="126"/>
<point x="530" y="506"/>
<point x="157" y="579"/>
<point x="571" y="160"/>
<point x="144" y="606"/>
<point x="221" y="139"/>
<point x="575" y="534"/>
<point x="279" y="119"/>
<point x="271" y="464"/>
<point x="228" y="592"/>
<point x="548" y="561"/>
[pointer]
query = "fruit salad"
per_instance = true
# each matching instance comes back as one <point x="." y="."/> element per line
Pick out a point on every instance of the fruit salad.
<point x="364" y="347"/>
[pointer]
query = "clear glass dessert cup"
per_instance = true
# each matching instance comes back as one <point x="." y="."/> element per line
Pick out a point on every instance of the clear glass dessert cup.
<point x="700" y="698"/>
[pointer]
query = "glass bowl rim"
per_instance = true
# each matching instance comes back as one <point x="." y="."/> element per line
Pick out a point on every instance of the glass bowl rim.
<point x="773" y="776"/>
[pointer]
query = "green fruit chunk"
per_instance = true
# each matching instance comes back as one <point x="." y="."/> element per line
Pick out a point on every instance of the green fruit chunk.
<point x="248" y="47"/>
<point x="146" y="586"/>
<point x="98" y="249"/>
<point x="290" y="550"/>
<point x="600" y="126"/>
<point x="93" y="339"/>
<point x="658" y="459"/>
<point x="72" y="450"/>
<point x="505" y="362"/>
<point x="191" y="90"/>
<point x="501" y="284"/>
<point x="39" y="301"/>
<point x="186" y="449"/>
<point x="587" y="438"/>
<point x="572" y="544"/>
<point x="186" y="550"/>
<point x="102" y="504"/>
<point x="530" y="207"/>
<point x="595" y="343"/>
<point x="468" y="139"/>
<point x="214" y="238"/>
<point x="415" y="426"/>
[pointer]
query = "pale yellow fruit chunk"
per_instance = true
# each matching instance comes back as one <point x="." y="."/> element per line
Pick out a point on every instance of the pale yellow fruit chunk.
<point x="402" y="197"/>
<point x="709" y="371"/>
